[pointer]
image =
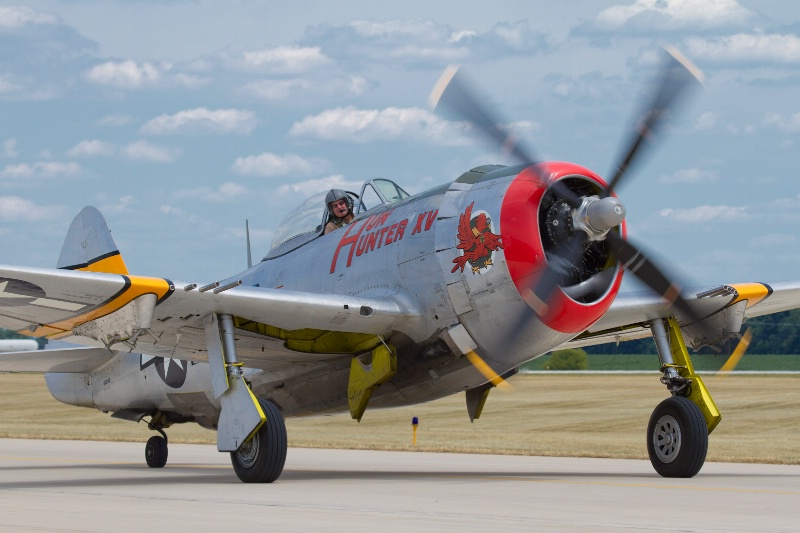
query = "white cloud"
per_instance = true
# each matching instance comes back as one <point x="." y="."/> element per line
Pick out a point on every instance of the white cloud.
<point x="120" y="205"/>
<point x="272" y="90"/>
<point x="285" y="59"/>
<point x="8" y="86"/>
<point x="14" y="208"/>
<point x="115" y="120"/>
<point x="392" y="123"/>
<point x="269" y="164"/>
<point x="171" y="210"/>
<point x="424" y="42"/>
<point x="226" y="191"/>
<point x="744" y="47"/>
<point x="18" y="16"/>
<point x="202" y="120"/>
<point x="457" y="36"/>
<point x="705" y="213"/>
<point x="309" y="187"/>
<point x="788" y="124"/>
<point x="92" y="148"/>
<point x="439" y="54"/>
<point x="522" y="127"/>
<point x="124" y="74"/>
<point x="190" y="81"/>
<point x="706" y="121"/>
<point x="395" y="28"/>
<point x="773" y="241"/>
<point x="9" y="150"/>
<point x="275" y="89"/>
<point x="689" y="175"/>
<point x="231" y="189"/>
<point x="674" y="14"/>
<point x="146" y="151"/>
<point x="42" y="169"/>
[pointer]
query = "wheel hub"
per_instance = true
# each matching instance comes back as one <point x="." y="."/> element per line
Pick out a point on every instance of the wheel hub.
<point x="247" y="454"/>
<point x="667" y="439"/>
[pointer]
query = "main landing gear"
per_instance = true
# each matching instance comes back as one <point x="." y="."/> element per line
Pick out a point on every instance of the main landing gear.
<point x="677" y="435"/>
<point x="261" y="458"/>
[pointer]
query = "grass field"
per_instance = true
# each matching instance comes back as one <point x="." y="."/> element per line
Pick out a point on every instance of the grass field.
<point x="555" y="415"/>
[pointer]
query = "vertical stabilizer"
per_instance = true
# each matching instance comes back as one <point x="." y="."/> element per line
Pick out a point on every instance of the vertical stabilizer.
<point x="89" y="245"/>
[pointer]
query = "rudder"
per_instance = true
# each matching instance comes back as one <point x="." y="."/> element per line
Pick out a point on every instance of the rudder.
<point x="89" y="246"/>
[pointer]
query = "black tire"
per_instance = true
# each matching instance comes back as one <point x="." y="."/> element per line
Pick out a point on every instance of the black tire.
<point x="677" y="438"/>
<point x="156" y="451"/>
<point x="261" y="459"/>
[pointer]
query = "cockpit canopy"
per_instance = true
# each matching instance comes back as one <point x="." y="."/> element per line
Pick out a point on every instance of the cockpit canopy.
<point x="307" y="221"/>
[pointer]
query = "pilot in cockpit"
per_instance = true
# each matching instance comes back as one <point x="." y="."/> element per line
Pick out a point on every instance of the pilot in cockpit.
<point x="340" y="208"/>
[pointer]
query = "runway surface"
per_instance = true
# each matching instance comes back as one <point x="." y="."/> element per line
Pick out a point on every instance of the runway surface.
<point x="105" y="486"/>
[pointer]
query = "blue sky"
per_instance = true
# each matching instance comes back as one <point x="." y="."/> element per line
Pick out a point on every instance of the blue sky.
<point x="178" y="120"/>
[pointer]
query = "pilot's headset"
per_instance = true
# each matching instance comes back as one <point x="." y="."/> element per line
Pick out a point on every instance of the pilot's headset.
<point x="337" y="194"/>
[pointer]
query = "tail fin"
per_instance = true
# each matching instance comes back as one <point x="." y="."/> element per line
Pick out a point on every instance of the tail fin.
<point x="89" y="245"/>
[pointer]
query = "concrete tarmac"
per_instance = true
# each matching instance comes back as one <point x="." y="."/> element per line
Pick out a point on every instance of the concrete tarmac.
<point x="106" y="486"/>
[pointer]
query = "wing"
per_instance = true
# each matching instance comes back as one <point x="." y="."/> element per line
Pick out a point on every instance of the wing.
<point x="724" y="307"/>
<point x="164" y="318"/>
<point x="68" y="360"/>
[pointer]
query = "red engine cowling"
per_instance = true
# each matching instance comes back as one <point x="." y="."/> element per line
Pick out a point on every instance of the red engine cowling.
<point x="533" y="221"/>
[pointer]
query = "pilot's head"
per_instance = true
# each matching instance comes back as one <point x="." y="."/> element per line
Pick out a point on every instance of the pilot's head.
<point x="339" y="203"/>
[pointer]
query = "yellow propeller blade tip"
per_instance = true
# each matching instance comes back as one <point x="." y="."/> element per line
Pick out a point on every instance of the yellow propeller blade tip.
<point x="738" y="353"/>
<point x="487" y="371"/>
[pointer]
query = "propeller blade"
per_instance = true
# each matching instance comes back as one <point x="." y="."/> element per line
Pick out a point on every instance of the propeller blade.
<point x="487" y="371"/>
<point x="633" y="260"/>
<point x="559" y="267"/>
<point x="454" y="92"/>
<point x="678" y="74"/>
<point x="737" y="354"/>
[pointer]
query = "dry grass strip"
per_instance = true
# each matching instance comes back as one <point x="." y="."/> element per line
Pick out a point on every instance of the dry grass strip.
<point x="555" y="415"/>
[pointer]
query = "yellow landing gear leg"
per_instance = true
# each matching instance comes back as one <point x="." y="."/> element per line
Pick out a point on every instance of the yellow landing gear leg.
<point x="365" y="378"/>
<point x="677" y="435"/>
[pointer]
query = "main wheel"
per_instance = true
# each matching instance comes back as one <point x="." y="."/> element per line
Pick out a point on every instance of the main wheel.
<point x="155" y="452"/>
<point x="261" y="459"/>
<point x="677" y="438"/>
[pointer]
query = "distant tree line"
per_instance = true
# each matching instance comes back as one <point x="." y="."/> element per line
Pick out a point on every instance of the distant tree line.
<point x="772" y="334"/>
<point x="8" y="334"/>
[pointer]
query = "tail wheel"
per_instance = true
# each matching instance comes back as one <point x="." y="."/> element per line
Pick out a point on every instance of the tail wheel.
<point x="155" y="452"/>
<point x="261" y="459"/>
<point x="677" y="438"/>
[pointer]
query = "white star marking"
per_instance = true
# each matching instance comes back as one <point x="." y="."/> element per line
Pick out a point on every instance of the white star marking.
<point x="147" y="358"/>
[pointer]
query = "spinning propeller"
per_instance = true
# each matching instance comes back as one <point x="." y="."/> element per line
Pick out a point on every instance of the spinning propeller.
<point x="591" y="217"/>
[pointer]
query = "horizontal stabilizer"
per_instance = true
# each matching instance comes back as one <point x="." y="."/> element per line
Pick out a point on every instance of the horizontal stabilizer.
<point x="69" y="360"/>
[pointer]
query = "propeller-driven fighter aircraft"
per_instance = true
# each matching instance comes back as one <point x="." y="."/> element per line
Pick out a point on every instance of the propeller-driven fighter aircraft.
<point x="418" y="298"/>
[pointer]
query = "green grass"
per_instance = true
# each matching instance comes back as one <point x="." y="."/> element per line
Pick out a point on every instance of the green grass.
<point x="702" y="363"/>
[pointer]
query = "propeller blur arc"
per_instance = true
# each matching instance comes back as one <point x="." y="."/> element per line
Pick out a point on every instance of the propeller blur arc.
<point x="674" y="80"/>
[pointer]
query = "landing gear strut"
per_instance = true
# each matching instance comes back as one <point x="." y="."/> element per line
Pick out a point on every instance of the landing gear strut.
<point x="261" y="458"/>
<point x="156" y="451"/>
